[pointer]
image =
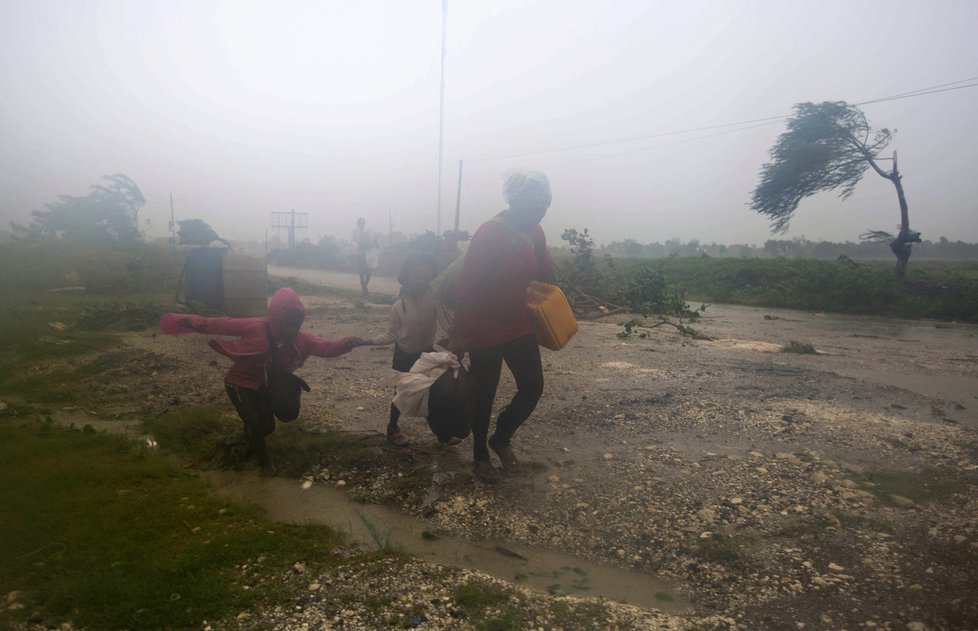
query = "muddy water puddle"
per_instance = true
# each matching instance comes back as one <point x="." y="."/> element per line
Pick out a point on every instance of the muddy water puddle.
<point x="373" y="526"/>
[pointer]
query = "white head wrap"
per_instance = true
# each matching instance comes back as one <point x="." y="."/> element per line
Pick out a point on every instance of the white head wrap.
<point x="525" y="184"/>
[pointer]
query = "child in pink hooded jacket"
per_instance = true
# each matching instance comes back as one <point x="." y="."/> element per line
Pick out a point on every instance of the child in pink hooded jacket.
<point x="247" y="380"/>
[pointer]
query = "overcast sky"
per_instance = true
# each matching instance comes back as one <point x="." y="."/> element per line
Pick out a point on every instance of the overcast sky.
<point x="331" y="108"/>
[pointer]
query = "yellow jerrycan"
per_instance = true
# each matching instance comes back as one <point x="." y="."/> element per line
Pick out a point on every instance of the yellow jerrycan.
<point x="552" y="317"/>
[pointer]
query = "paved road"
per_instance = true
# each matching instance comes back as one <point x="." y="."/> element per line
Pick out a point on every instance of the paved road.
<point x="339" y="280"/>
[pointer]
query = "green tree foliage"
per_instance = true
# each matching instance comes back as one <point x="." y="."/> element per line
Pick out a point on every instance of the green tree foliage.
<point x="195" y="232"/>
<point x="596" y="287"/>
<point x="828" y="146"/>
<point x="108" y="214"/>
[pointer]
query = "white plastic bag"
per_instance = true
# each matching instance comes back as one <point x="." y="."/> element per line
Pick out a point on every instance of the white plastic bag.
<point x="411" y="397"/>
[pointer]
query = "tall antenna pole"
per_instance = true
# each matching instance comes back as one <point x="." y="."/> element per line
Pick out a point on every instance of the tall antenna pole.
<point x="173" y="224"/>
<point x="441" y="109"/>
<point x="458" y="195"/>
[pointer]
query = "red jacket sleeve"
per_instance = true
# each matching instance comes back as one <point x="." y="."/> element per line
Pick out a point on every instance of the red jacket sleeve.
<point x="221" y="325"/>
<point x="320" y="347"/>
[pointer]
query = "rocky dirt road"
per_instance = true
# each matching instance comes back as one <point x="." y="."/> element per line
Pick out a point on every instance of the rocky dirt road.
<point x="778" y="490"/>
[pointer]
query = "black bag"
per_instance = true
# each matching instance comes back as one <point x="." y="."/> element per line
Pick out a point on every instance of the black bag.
<point x="284" y="388"/>
<point x="451" y="405"/>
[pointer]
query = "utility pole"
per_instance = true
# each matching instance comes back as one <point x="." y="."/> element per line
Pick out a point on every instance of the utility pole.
<point x="441" y="109"/>
<point x="458" y="195"/>
<point x="173" y="224"/>
<point x="289" y="221"/>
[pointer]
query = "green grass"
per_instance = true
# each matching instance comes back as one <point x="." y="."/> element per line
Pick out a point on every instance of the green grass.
<point x="801" y="348"/>
<point x="110" y="535"/>
<point x="194" y="432"/>
<point x="932" y="289"/>
<point x="929" y="485"/>
<point x="490" y="607"/>
<point x="727" y="550"/>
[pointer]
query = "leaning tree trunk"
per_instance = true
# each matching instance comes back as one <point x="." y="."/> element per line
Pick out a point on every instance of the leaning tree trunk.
<point x="904" y="241"/>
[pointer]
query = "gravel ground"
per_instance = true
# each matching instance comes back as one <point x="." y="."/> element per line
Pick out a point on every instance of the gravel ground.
<point x="776" y="490"/>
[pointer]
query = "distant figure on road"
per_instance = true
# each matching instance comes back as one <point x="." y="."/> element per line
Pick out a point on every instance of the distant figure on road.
<point x="492" y="320"/>
<point x="367" y="246"/>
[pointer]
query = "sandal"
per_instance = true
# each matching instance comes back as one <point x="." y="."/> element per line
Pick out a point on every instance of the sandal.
<point x="395" y="437"/>
<point x="485" y="472"/>
<point x="507" y="459"/>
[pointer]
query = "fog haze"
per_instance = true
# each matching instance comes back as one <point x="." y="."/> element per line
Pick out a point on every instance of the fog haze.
<point x="239" y="109"/>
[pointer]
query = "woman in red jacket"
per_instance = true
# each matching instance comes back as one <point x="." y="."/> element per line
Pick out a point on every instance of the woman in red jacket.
<point x="492" y="321"/>
<point x="247" y="380"/>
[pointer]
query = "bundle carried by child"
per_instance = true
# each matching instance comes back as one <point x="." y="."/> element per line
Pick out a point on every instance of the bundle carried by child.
<point x="439" y="389"/>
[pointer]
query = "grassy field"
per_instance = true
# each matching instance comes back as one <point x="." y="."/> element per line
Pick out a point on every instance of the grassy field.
<point x="111" y="534"/>
<point x="940" y="290"/>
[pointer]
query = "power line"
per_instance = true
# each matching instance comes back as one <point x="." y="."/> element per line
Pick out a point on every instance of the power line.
<point x="944" y="87"/>
<point x="632" y="139"/>
<point x="918" y="93"/>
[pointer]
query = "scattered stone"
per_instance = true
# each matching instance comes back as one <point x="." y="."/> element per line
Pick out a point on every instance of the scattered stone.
<point x="836" y="568"/>
<point x="314" y="587"/>
<point x="819" y="478"/>
<point x="706" y="515"/>
<point x="901" y="501"/>
<point x="787" y="457"/>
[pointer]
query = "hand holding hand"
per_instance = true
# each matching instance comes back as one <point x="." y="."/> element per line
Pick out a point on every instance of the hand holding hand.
<point x="453" y="345"/>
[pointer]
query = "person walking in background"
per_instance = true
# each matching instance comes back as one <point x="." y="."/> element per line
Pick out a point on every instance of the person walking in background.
<point x="246" y="381"/>
<point x="492" y="321"/>
<point x="367" y="246"/>
<point x="412" y="326"/>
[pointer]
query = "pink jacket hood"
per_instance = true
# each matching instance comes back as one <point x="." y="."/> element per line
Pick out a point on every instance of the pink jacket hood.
<point x="282" y="301"/>
<point x="254" y="339"/>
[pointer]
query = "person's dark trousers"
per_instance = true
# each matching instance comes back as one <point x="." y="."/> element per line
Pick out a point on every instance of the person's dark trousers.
<point x="522" y="357"/>
<point x="402" y="362"/>
<point x="255" y="411"/>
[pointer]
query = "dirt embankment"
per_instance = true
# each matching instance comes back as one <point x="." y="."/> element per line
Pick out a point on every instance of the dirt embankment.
<point x="826" y="491"/>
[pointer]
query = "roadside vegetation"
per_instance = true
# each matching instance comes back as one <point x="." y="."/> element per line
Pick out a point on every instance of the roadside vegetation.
<point x="940" y="290"/>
